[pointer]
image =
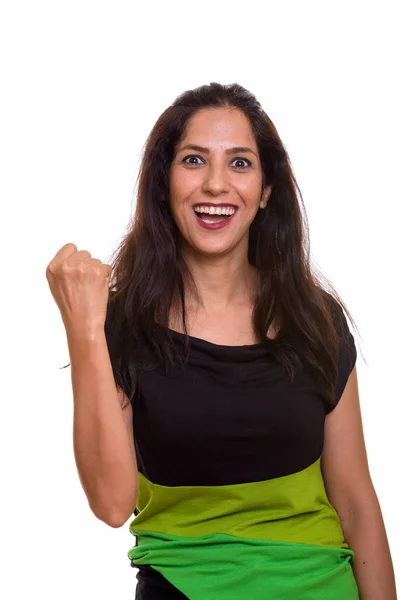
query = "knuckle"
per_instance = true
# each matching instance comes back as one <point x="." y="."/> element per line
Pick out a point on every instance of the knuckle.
<point x="64" y="267"/>
<point x="83" y="268"/>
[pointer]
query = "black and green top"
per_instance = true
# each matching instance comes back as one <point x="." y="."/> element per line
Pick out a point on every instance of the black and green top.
<point x="231" y="501"/>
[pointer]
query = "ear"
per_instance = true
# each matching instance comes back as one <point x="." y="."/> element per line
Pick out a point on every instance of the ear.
<point x="266" y="194"/>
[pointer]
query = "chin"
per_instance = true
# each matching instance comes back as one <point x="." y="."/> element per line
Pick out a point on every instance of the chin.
<point x="211" y="249"/>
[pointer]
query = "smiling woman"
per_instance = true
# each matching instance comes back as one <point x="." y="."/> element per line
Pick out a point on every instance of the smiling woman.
<point x="236" y="371"/>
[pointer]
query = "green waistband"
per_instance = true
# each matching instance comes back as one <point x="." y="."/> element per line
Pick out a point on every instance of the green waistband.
<point x="293" y="508"/>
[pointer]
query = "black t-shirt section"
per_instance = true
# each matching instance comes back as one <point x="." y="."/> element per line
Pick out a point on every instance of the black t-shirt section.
<point x="231" y="416"/>
<point x="347" y="354"/>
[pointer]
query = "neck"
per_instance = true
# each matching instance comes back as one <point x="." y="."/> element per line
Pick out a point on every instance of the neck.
<point x="222" y="282"/>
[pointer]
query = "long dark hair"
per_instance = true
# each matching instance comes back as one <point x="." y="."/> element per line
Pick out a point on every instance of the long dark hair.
<point x="148" y="270"/>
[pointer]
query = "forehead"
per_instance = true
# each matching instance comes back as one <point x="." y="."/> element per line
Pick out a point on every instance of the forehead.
<point x="213" y="127"/>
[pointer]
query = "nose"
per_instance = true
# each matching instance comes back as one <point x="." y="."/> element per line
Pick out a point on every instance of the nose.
<point x="216" y="181"/>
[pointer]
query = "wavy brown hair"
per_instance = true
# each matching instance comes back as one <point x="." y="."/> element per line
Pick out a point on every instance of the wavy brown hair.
<point x="148" y="269"/>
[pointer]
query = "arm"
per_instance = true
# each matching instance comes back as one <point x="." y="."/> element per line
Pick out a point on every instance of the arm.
<point x="345" y="469"/>
<point x="103" y="442"/>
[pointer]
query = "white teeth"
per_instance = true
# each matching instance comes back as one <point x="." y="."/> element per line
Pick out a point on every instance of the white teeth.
<point x="215" y="210"/>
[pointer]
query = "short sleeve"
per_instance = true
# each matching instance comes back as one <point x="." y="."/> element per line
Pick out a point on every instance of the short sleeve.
<point x="347" y="354"/>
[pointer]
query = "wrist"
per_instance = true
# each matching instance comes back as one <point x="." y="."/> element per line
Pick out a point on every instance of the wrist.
<point x="84" y="334"/>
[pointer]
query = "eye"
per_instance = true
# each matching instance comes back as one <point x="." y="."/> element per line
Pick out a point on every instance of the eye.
<point x="243" y="160"/>
<point x="191" y="156"/>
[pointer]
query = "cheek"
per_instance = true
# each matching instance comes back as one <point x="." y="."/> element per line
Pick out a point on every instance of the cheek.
<point x="177" y="194"/>
<point x="249" y="190"/>
<point x="176" y="186"/>
<point x="182" y="187"/>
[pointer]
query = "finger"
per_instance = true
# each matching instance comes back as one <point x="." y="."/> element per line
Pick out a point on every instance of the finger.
<point x="79" y="256"/>
<point x="107" y="269"/>
<point x="65" y="252"/>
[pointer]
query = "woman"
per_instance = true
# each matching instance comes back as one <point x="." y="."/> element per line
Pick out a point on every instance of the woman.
<point x="235" y="432"/>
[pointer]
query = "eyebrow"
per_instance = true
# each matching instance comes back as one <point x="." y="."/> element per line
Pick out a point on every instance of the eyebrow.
<point x="234" y="150"/>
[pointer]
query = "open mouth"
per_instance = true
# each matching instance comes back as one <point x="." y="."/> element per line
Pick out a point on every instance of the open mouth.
<point x="212" y="215"/>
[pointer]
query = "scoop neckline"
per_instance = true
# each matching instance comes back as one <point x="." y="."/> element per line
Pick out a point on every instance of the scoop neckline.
<point x="213" y="344"/>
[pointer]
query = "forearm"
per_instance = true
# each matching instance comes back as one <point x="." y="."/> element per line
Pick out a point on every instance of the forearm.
<point x="106" y="465"/>
<point x="365" y="533"/>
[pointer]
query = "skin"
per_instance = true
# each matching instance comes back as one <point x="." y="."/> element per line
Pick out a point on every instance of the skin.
<point x="218" y="259"/>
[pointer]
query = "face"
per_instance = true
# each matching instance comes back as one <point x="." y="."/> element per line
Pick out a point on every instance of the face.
<point x="221" y="174"/>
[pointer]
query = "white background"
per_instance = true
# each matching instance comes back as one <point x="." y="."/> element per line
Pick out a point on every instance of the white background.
<point x="82" y="84"/>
